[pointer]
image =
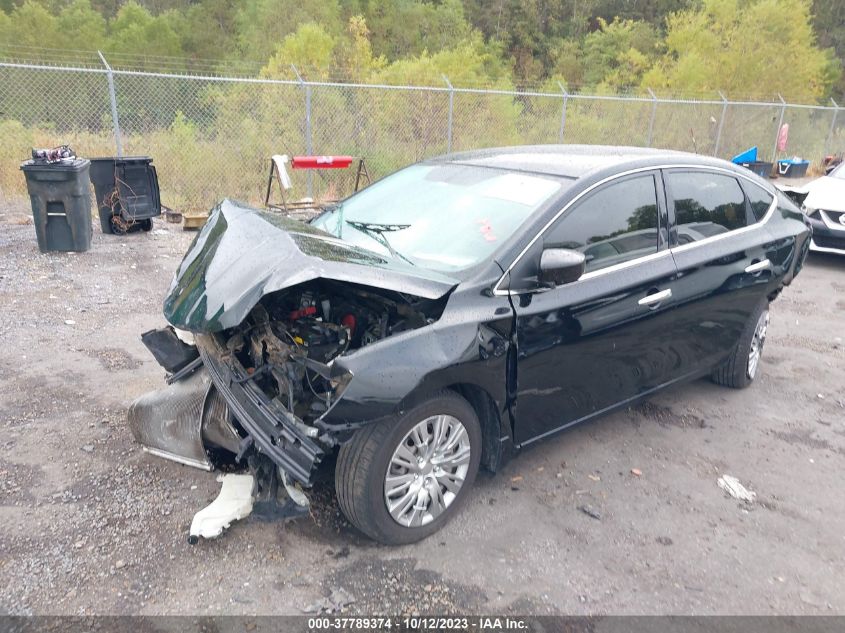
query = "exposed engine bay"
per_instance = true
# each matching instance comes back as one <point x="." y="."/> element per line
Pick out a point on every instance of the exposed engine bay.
<point x="263" y="385"/>
<point x="249" y="398"/>
<point x="289" y="338"/>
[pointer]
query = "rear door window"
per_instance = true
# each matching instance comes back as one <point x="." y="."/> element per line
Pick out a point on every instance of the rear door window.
<point x="706" y="204"/>
<point x="617" y="223"/>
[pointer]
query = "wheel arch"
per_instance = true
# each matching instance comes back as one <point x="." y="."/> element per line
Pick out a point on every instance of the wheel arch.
<point x="496" y="435"/>
<point x="495" y="431"/>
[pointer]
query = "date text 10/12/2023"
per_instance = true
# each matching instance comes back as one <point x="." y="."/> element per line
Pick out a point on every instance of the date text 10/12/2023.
<point x="418" y="623"/>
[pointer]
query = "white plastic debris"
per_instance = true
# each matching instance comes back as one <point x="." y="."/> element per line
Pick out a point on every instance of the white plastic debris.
<point x="233" y="503"/>
<point x="185" y="336"/>
<point x="731" y="485"/>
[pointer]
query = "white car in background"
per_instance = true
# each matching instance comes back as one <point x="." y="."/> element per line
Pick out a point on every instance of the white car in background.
<point x="823" y="202"/>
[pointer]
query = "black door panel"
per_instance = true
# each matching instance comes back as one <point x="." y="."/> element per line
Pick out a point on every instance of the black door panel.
<point x="589" y="345"/>
<point x="715" y="295"/>
<point x="721" y="252"/>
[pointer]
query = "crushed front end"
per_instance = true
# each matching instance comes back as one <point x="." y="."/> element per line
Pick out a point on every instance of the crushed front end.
<point x="270" y="308"/>
<point x="277" y="378"/>
<point x="263" y="387"/>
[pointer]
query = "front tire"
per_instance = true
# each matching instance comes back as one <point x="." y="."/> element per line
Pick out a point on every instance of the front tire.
<point x="400" y="480"/>
<point x="743" y="364"/>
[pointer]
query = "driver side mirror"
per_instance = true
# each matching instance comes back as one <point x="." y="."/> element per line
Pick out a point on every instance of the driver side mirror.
<point x="560" y="266"/>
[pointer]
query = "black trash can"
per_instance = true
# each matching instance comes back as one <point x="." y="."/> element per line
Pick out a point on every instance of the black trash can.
<point x="61" y="204"/>
<point x="127" y="193"/>
<point x="760" y="167"/>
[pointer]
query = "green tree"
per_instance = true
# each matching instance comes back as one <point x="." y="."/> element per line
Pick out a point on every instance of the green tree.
<point x="829" y="23"/>
<point x="5" y="27"/>
<point x="310" y="49"/>
<point x="406" y="28"/>
<point x="135" y="31"/>
<point x="33" y="25"/>
<point x="261" y="25"/>
<point x="530" y="30"/>
<point x="567" y="63"/>
<point x="618" y="53"/>
<point x="207" y="29"/>
<point x="744" y="48"/>
<point x="652" y="11"/>
<point x="357" y="60"/>
<point x="468" y="64"/>
<point x="87" y="25"/>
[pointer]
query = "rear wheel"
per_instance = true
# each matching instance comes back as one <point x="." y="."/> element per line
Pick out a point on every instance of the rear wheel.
<point x="400" y="480"/>
<point x="743" y="364"/>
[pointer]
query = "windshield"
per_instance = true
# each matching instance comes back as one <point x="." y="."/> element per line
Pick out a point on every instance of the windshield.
<point x="442" y="217"/>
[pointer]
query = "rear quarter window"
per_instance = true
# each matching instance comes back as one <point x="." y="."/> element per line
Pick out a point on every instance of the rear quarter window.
<point x="759" y="199"/>
<point x="706" y="204"/>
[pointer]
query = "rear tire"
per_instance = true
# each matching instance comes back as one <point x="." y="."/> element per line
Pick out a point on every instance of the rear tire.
<point x="432" y="439"/>
<point x="743" y="364"/>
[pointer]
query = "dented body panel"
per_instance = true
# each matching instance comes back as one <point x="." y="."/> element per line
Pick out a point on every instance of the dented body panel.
<point x="243" y="254"/>
<point x="247" y="267"/>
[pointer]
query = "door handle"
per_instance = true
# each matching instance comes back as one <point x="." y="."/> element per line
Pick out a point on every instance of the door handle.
<point x="657" y="297"/>
<point x="756" y="268"/>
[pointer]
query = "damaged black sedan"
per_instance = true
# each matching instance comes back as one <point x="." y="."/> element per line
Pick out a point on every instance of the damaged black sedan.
<point x="454" y="312"/>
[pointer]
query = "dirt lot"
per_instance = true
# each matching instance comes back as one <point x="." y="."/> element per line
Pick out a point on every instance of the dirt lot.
<point x="89" y="524"/>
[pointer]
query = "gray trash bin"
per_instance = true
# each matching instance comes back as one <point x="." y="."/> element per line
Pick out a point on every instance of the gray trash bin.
<point x="61" y="204"/>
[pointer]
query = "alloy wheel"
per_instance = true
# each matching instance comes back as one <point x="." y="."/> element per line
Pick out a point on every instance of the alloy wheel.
<point x="757" y="344"/>
<point x="427" y="470"/>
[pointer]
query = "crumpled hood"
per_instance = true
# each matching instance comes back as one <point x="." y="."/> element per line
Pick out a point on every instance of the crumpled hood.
<point x="826" y="193"/>
<point x="242" y="254"/>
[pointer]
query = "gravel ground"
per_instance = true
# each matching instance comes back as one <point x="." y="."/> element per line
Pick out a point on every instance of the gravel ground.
<point x="89" y="524"/>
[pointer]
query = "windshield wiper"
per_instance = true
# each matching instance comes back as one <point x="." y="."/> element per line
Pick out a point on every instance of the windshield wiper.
<point x="377" y="231"/>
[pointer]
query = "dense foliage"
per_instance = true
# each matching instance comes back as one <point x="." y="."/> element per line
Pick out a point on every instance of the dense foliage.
<point x="746" y="48"/>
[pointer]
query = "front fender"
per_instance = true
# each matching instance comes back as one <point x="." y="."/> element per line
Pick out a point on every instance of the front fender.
<point x="397" y="373"/>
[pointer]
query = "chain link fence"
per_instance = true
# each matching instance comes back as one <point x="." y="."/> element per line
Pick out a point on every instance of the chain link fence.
<point x="212" y="137"/>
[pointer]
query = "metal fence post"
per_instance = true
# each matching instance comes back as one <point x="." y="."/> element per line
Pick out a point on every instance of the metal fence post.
<point x="721" y="123"/>
<point x="832" y="127"/>
<point x="780" y="125"/>
<point x="562" y="112"/>
<point x="309" y="149"/>
<point x="113" y="99"/>
<point x="451" y="109"/>
<point x="653" y="114"/>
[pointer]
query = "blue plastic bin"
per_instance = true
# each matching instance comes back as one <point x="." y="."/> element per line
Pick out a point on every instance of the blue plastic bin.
<point x="748" y="156"/>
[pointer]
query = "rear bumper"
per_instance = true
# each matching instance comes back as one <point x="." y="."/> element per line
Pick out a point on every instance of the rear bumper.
<point x="266" y="422"/>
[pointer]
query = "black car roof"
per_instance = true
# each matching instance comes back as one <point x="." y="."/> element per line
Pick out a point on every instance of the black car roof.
<point x="573" y="161"/>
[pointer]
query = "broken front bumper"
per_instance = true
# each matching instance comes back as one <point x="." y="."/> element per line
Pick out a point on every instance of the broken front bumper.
<point x="270" y="428"/>
<point x="168" y="422"/>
